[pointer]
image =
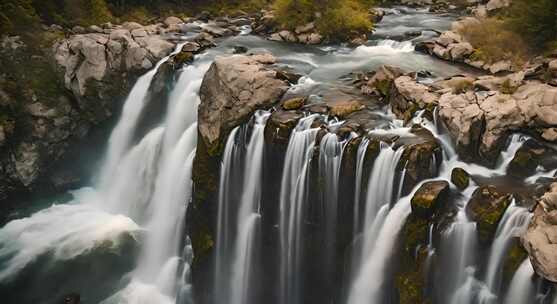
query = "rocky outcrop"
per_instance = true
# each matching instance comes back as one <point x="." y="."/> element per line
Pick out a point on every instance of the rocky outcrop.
<point x="480" y="121"/>
<point x="540" y="240"/>
<point x="408" y="96"/>
<point x="428" y="198"/>
<point x="486" y="207"/>
<point x="233" y="88"/>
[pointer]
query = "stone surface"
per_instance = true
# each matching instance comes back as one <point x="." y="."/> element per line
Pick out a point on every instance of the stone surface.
<point x="407" y="96"/>
<point x="486" y="207"/>
<point x="428" y="198"/>
<point x="460" y="178"/>
<point x="232" y="89"/>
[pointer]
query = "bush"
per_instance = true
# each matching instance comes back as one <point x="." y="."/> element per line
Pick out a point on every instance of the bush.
<point x="348" y="18"/>
<point x="535" y="20"/>
<point x="334" y="19"/>
<point x="494" y="42"/>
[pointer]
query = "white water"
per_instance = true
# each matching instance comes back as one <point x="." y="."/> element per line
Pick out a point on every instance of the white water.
<point x="292" y="199"/>
<point x="380" y="228"/>
<point x="513" y="224"/>
<point x="522" y="288"/>
<point x="248" y="214"/>
<point x="360" y="159"/>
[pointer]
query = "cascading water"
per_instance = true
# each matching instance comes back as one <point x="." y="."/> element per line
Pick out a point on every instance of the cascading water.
<point x="513" y="224"/>
<point x="248" y="215"/>
<point x="379" y="228"/>
<point x="292" y="198"/>
<point x="522" y="288"/>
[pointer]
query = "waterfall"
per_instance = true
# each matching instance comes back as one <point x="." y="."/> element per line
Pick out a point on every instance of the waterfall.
<point x="230" y="158"/>
<point x="458" y="245"/>
<point x="292" y="198"/>
<point x="380" y="228"/>
<point x="513" y="224"/>
<point x="248" y="213"/>
<point x="121" y="136"/>
<point x="360" y="159"/>
<point x="522" y="288"/>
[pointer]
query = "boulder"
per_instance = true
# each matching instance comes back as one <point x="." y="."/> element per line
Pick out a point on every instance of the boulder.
<point x="460" y="178"/>
<point x="343" y="108"/>
<point x="381" y="81"/>
<point x="407" y="96"/>
<point x="294" y="103"/>
<point x="232" y="89"/>
<point x="169" y="21"/>
<point x="428" y="198"/>
<point x="540" y="240"/>
<point x="486" y="207"/>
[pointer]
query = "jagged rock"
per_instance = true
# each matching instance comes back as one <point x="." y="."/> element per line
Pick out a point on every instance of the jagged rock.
<point x="407" y="96"/>
<point x="232" y="89"/>
<point x="382" y="80"/>
<point x="428" y="198"/>
<point x="486" y="207"/>
<point x="541" y="238"/>
<point x="460" y="178"/>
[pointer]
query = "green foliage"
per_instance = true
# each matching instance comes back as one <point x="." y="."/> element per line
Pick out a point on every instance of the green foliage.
<point x="334" y="19"/>
<point x="493" y="42"/>
<point x="535" y="20"/>
<point x="17" y="16"/>
<point x="346" y="18"/>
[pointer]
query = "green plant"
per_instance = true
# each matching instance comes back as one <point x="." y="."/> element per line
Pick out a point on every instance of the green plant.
<point x="493" y="42"/>
<point x="345" y="19"/>
<point x="535" y="20"/>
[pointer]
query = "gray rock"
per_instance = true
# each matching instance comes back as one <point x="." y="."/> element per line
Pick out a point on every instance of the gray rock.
<point x="233" y="88"/>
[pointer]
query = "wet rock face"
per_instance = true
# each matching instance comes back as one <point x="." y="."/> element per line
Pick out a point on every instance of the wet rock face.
<point x="486" y="207"/>
<point x="541" y="238"/>
<point x="408" y="96"/>
<point x="232" y="89"/>
<point x="428" y="198"/>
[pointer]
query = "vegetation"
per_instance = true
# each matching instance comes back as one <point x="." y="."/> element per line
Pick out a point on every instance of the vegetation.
<point x="535" y="21"/>
<point x="334" y="19"/>
<point x="495" y="42"/>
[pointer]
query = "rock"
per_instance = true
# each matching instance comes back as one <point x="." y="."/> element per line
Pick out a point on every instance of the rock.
<point x="183" y="58"/>
<point x="460" y="178"/>
<point x="382" y="80"/>
<point x="343" y="108"/>
<point x="497" y="4"/>
<point x="240" y="50"/>
<point x="500" y="66"/>
<point x="314" y="38"/>
<point x="407" y="96"/>
<point x="550" y="134"/>
<point x="294" y="103"/>
<point x="288" y="36"/>
<point x="460" y="51"/>
<point x="156" y="45"/>
<point x="427" y="199"/>
<point x="540" y="240"/>
<point x="292" y="78"/>
<point x="279" y="126"/>
<point x="486" y="207"/>
<point x="448" y="38"/>
<point x="457" y="84"/>
<point x="72" y="299"/>
<point x="191" y="47"/>
<point x="552" y="67"/>
<point x="526" y="160"/>
<point x="169" y="21"/>
<point x="240" y="84"/>
<point x="302" y="29"/>
<point x="216" y="31"/>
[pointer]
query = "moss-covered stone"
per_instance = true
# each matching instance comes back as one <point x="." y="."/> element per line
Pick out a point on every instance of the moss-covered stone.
<point x="460" y="178"/>
<point x="294" y="103"/>
<point x="486" y="207"/>
<point x="428" y="198"/>
<point x="526" y="160"/>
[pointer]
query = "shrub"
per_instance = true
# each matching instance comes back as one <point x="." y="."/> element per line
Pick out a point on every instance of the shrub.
<point x="348" y="18"/>
<point x="494" y="42"/>
<point x="535" y="20"/>
<point x="334" y="19"/>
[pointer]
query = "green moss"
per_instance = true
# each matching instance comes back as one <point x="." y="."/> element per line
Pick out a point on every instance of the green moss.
<point x="515" y="256"/>
<point x="460" y="178"/>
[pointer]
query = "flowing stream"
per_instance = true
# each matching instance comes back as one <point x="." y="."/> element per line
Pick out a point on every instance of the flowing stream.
<point x="135" y="214"/>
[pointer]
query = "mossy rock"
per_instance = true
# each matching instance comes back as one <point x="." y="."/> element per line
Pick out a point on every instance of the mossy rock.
<point x="486" y="207"/>
<point x="427" y="199"/>
<point x="460" y="178"/>
<point x="183" y="58"/>
<point x="526" y="160"/>
<point x="294" y="103"/>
